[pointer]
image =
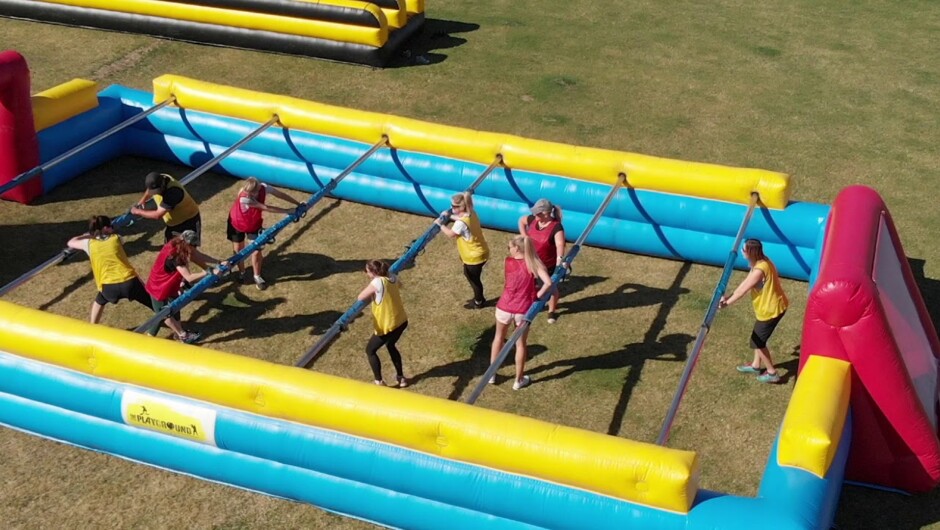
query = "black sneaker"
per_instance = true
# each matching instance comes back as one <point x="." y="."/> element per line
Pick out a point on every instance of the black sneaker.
<point x="473" y="304"/>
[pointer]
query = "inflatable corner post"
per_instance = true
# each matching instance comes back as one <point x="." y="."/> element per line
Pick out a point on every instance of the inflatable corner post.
<point x="867" y="391"/>
<point x="19" y="150"/>
<point x="865" y="308"/>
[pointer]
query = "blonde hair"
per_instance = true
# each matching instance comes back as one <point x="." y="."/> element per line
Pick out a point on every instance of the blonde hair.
<point x="250" y="185"/>
<point x="464" y="201"/>
<point x="532" y="260"/>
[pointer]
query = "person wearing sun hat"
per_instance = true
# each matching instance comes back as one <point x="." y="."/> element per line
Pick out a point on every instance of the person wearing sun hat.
<point x="174" y="205"/>
<point x="545" y="230"/>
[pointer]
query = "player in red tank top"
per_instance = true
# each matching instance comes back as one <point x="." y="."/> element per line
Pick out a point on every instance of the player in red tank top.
<point x="522" y="267"/>
<point x="548" y="237"/>
<point x="245" y="222"/>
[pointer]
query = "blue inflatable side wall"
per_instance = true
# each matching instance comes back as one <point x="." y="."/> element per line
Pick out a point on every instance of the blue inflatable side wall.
<point x="354" y="476"/>
<point x="788" y="499"/>
<point x="374" y="481"/>
<point x="637" y="221"/>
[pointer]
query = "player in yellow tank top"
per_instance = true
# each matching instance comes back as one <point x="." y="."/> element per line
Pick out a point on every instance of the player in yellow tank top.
<point x="388" y="318"/>
<point x="770" y="304"/>
<point x="471" y="244"/>
<point x="175" y="206"/>
<point x="114" y="275"/>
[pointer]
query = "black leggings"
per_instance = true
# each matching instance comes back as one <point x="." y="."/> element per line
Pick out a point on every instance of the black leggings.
<point x="388" y="340"/>
<point x="473" y="274"/>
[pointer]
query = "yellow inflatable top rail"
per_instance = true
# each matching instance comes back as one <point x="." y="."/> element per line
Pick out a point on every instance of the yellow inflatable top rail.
<point x="60" y="103"/>
<point x="334" y="31"/>
<point x="695" y="179"/>
<point x="813" y="425"/>
<point x="641" y="473"/>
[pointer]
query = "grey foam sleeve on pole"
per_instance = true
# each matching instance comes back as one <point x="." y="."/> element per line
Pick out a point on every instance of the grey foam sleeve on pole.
<point x="706" y="324"/>
<point x="537" y="306"/>
<point x="38" y="170"/>
<point x="350" y="315"/>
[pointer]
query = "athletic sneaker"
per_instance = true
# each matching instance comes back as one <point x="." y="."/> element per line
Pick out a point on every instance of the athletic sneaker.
<point x="748" y="369"/>
<point x="552" y="317"/>
<point x="768" y="377"/>
<point x="473" y="304"/>
<point x="379" y="382"/>
<point x="402" y="381"/>
<point x="260" y="283"/>
<point x="518" y="385"/>
<point x="493" y="380"/>
<point x="189" y="337"/>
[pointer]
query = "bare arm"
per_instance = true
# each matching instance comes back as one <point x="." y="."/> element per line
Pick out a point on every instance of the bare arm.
<point x="559" y="246"/>
<point x="367" y="293"/>
<point x="78" y="242"/>
<point x="523" y="225"/>
<point x="149" y="214"/>
<point x="546" y="282"/>
<point x="191" y="277"/>
<point x="252" y="203"/>
<point x="753" y="278"/>
<point x="283" y="196"/>
<point x="444" y="228"/>
<point x="202" y="259"/>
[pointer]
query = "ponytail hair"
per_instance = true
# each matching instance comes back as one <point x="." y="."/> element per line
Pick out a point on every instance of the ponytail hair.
<point x="380" y="268"/>
<point x="754" y="249"/>
<point x="531" y="257"/>
<point x="250" y="185"/>
<point x="556" y="212"/>
<point x="97" y="224"/>
<point x="182" y="250"/>
<point x="463" y="200"/>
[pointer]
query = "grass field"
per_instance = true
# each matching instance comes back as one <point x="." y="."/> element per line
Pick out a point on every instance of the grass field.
<point x="832" y="93"/>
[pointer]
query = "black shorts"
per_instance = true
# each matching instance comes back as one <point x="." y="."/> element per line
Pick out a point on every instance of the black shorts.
<point x="194" y="224"/>
<point x="763" y="329"/>
<point x="237" y="237"/>
<point x="132" y="289"/>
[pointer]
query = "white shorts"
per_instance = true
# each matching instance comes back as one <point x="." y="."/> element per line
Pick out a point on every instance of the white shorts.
<point x="504" y="317"/>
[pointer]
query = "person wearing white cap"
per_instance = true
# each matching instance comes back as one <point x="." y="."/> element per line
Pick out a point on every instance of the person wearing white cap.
<point x="544" y="228"/>
<point x="169" y="271"/>
<point x="471" y="245"/>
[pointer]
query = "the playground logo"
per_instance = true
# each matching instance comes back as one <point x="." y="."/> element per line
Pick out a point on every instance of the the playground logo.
<point x="168" y="416"/>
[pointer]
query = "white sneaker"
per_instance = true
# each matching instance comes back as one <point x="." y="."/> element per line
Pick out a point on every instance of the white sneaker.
<point x="260" y="283"/>
<point x="518" y="385"/>
<point x="493" y="380"/>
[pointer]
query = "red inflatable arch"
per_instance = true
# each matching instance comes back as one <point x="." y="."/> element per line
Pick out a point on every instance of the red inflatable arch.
<point x="865" y="308"/>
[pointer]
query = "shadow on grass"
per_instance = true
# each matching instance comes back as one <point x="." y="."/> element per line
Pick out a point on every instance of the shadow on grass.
<point x="626" y="296"/>
<point x="466" y="370"/>
<point x="422" y="49"/>
<point x="868" y="508"/>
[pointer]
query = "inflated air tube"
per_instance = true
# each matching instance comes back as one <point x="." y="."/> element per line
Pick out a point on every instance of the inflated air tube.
<point x="62" y="102"/>
<point x="659" y="477"/>
<point x="343" y="11"/>
<point x="638" y="221"/>
<point x="372" y="46"/>
<point x="596" y="165"/>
